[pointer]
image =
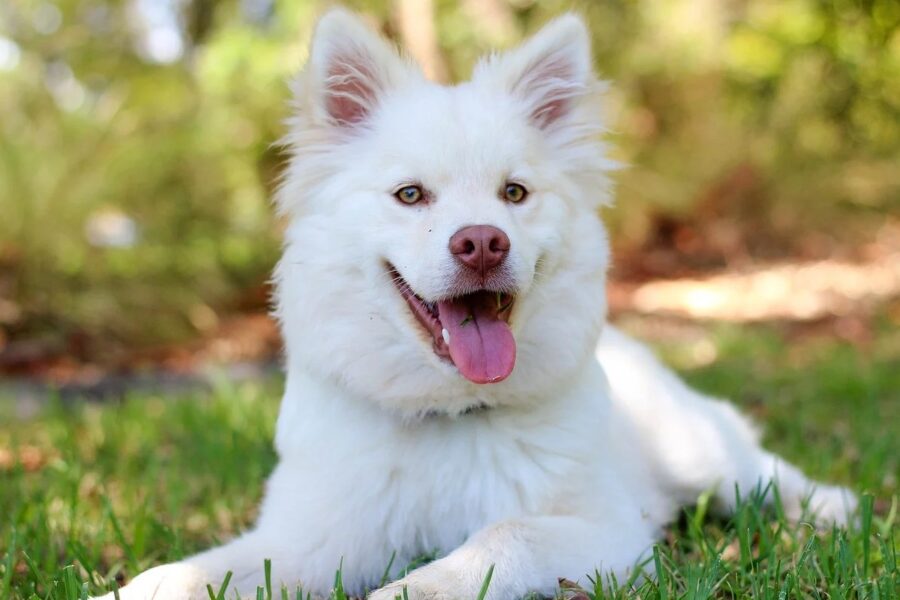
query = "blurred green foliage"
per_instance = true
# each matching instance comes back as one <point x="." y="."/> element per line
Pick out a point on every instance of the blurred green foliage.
<point x="136" y="156"/>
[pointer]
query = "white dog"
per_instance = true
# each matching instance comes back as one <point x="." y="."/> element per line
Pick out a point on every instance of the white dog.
<point x="452" y="386"/>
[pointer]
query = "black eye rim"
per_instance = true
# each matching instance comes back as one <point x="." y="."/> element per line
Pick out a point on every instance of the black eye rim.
<point x="398" y="194"/>
<point x="514" y="184"/>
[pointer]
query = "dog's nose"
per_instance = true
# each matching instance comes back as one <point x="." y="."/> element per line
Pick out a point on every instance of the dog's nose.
<point x="480" y="247"/>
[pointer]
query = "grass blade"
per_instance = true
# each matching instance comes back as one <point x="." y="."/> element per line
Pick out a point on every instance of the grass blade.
<point x="486" y="583"/>
<point x="661" y="583"/>
<point x="387" y="570"/>
<point x="9" y="565"/>
<point x="867" y="507"/>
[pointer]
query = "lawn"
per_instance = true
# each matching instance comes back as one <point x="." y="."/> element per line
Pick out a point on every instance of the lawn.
<point x="94" y="493"/>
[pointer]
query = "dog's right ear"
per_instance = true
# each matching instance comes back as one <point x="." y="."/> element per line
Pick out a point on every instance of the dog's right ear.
<point x="350" y="68"/>
<point x="549" y="73"/>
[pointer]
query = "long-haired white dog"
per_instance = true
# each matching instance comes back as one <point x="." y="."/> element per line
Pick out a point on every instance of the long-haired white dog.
<point x="452" y="386"/>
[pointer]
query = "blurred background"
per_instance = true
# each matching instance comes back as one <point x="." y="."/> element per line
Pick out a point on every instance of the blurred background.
<point x="137" y="163"/>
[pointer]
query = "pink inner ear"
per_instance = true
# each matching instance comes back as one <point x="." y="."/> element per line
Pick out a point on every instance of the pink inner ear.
<point x="550" y="84"/>
<point x="350" y="89"/>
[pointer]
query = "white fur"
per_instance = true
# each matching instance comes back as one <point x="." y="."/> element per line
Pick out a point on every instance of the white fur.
<point x="577" y="461"/>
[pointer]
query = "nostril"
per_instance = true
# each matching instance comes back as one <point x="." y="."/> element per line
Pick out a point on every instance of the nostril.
<point x="480" y="247"/>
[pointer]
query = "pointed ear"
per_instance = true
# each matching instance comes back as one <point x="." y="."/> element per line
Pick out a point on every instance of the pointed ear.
<point x="549" y="72"/>
<point x="350" y="68"/>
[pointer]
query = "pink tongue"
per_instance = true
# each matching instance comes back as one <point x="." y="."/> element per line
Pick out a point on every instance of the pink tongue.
<point x="481" y="345"/>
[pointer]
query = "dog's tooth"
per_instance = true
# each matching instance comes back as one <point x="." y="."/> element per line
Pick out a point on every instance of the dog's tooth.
<point x="446" y="335"/>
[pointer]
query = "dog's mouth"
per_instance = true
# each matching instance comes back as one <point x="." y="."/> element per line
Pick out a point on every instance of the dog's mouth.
<point x="471" y="330"/>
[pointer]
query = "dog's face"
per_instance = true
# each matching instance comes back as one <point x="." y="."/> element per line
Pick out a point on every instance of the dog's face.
<point x="443" y="238"/>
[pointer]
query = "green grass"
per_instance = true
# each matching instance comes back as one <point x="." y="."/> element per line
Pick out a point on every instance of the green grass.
<point x="90" y="493"/>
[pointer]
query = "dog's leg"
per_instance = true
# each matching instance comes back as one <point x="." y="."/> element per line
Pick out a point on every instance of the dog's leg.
<point x="529" y="555"/>
<point x="187" y="579"/>
<point x="697" y="443"/>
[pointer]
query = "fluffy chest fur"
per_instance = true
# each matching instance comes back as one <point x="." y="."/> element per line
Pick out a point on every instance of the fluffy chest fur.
<point x="437" y="479"/>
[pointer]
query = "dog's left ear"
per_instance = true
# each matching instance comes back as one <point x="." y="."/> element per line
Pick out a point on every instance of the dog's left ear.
<point x="549" y="72"/>
<point x="350" y="69"/>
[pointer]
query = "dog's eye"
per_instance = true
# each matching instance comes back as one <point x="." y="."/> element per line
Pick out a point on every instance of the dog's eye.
<point x="513" y="192"/>
<point x="409" y="194"/>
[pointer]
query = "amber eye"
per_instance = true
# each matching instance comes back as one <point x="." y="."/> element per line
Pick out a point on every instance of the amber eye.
<point x="409" y="194"/>
<point x="515" y="193"/>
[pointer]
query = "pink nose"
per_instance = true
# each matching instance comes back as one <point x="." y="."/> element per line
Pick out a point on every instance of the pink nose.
<point x="480" y="247"/>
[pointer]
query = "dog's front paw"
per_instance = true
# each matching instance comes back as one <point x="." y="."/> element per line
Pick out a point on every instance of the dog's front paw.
<point x="431" y="582"/>
<point x="404" y="589"/>
<point x="178" y="581"/>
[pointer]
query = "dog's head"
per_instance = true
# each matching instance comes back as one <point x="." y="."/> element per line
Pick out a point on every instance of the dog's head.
<point x="443" y="238"/>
